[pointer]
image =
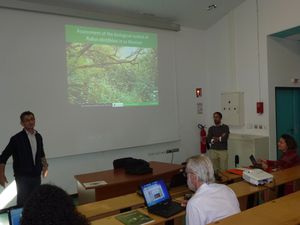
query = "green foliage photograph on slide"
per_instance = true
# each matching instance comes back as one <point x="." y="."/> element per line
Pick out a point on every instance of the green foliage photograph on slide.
<point x="111" y="67"/>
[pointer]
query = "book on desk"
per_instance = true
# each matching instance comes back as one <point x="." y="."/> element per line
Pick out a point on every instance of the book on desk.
<point x="134" y="217"/>
<point x="94" y="183"/>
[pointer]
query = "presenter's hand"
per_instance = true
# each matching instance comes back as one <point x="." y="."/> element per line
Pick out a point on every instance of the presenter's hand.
<point x="3" y="180"/>
<point x="45" y="172"/>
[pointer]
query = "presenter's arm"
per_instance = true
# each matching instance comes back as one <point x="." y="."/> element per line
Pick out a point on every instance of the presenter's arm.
<point x="45" y="167"/>
<point x="3" y="158"/>
<point x="3" y="178"/>
<point x="44" y="161"/>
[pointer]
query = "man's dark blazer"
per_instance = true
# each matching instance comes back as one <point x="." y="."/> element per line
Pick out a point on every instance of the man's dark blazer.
<point x="20" y="149"/>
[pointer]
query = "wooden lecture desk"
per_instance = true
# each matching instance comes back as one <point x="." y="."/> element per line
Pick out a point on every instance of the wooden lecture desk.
<point x="120" y="183"/>
<point x="111" y="220"/>
<point x="284" y="210"/>
<point x="242" y="190"/>
<point x="112" y="206"/>
<point x="115" y="205"/>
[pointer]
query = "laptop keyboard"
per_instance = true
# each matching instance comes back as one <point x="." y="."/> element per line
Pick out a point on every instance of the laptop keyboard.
<point x="167" y="210"/>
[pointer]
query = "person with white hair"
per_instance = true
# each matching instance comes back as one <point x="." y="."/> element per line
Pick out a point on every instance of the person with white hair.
<point x="211" y="201"/>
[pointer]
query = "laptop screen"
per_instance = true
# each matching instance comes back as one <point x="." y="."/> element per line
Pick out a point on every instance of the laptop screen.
<point x="155" y="192"/>
<point x="15" y="216"/>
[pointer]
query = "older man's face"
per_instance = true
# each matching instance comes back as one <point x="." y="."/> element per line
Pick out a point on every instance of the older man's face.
<point x="190" y="180"/>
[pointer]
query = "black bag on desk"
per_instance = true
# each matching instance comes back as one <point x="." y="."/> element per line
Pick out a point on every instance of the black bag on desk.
<point x="122" y="163"/>
<point x="133" y="166"/>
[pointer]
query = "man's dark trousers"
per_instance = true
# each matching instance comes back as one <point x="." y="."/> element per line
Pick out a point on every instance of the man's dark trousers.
<point x="25" y="186"/>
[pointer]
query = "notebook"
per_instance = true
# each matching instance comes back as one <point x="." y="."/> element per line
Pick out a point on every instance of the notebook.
<point x="134" y="217"/>
<point x="158" y="200"/>
<point x="14" y="215"/>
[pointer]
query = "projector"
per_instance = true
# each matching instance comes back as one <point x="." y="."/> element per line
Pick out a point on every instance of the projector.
<point x="257" y="176"/>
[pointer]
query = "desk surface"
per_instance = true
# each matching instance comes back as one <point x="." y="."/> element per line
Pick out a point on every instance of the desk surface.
<point x="100" y="209"/>
<point x="283" y="210"/>
<point x="242" y="189"/>
<point x="286" y="175"/>
<point x="118" y="176"/>
<point x="111" y="220"/>
<point x="227" y="177"/>
<point x="119" y="183"/>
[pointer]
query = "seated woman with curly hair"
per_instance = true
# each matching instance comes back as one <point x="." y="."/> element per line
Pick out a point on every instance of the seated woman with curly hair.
<point x="50" y="205"/>
<point x="288" y="146"/>
<point x="289" y="158"/>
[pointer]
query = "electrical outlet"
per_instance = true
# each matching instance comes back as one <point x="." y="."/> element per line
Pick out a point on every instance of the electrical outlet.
<point x="172" y="150"/>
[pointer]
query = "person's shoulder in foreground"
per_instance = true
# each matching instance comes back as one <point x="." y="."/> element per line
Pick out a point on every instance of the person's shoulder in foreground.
<point x="51" y="205"/>
<point x="214" y="202"/>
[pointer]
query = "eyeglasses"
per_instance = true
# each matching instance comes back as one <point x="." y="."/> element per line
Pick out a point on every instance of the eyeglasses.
<point x="185" y="174"/>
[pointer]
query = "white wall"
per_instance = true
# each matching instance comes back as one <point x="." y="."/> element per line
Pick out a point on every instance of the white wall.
<point x="189" y="58"/>
<point x="275" y="16"/>
<point x="242" y="35"/>
<point x="283" y="65"/>
<point x="232" y="64"/>
<point x="219" y="60"/>
<point x="190" y="68"/>
<point x="222" y="58"/>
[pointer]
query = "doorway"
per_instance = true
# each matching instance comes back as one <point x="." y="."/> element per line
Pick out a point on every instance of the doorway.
<point x="287" y="102"/>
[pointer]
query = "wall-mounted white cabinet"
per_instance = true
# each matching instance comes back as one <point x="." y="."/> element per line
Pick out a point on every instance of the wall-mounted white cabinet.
<point x="232" y="104"/>
<point x="245" y="145"/>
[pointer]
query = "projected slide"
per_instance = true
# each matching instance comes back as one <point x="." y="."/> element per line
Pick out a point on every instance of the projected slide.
<point x="110" y="67"/>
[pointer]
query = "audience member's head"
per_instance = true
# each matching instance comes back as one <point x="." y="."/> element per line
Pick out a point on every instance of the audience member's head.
<point x="286" y="142"/>
<point x="50" y="205"/>
<point x="211" y="202"/>
<point x="199" y="170"/>
<point x="217" y="118"/>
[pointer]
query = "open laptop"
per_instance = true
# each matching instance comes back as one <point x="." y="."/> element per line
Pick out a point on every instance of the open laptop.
<point x="158" y="199"/>
<point x="255" y="164"/>
<point x="14" y="215"/>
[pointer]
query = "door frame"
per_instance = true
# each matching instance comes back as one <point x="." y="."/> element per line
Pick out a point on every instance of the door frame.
<point x="276" y="114"/>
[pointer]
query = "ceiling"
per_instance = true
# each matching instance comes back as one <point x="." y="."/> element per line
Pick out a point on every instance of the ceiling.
<point x="188" y="13"/>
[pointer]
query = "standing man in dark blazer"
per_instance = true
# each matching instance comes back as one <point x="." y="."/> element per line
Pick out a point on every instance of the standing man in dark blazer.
<point x="29" y="161"/>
